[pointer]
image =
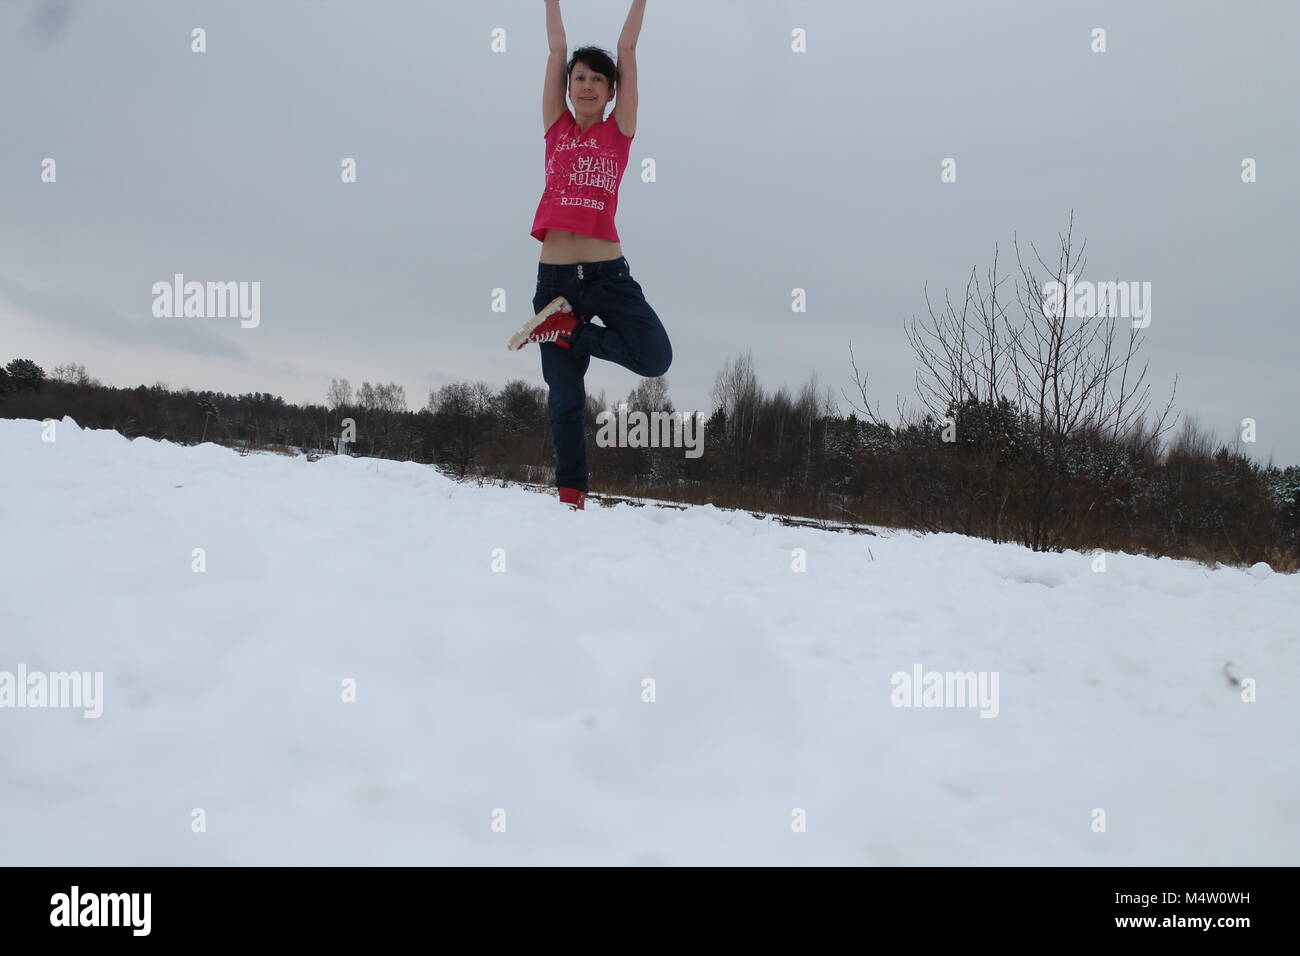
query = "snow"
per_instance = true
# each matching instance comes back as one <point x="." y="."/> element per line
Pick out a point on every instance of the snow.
<point x="479" y="691"/>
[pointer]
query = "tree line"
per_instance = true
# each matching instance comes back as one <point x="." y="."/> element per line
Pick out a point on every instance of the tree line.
<point x="983" y="468"/>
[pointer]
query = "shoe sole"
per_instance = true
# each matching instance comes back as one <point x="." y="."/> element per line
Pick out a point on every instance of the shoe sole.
<point x="520" y="338"/>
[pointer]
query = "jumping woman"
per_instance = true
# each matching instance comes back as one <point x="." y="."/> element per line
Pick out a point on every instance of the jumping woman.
<point x="582" y="273"/>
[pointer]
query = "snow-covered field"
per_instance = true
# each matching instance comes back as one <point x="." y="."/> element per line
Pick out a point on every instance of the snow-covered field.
<point x="518" y="697"/>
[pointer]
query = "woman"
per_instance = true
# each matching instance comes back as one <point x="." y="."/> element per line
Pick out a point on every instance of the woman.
<point x="582" y="273"/>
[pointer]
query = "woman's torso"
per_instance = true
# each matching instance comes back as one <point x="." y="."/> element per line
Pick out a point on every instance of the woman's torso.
<point x="562" y="248"/>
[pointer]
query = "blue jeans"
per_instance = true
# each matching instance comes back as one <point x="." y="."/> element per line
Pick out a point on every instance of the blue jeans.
<point x="632" y="336"/>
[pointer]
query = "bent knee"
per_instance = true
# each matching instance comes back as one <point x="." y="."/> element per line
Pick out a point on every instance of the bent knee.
<point x="659" y="363"/>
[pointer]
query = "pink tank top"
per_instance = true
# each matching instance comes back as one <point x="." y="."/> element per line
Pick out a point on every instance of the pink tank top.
<point x="583" y="173"/>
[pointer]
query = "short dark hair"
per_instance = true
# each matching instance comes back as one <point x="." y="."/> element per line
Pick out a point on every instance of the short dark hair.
<point x="598" y="61"/>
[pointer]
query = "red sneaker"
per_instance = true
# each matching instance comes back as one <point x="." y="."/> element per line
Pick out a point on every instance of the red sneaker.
<point x="573" y="498"/>
<point x="555" y="324"/>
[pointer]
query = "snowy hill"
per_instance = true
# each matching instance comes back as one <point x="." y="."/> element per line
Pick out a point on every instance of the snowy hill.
<point x="525" y="690"/>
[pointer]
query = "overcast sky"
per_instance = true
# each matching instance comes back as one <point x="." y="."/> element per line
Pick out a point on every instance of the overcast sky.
<point x="776" y="170"/>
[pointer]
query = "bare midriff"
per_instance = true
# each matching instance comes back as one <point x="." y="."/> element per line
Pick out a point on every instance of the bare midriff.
<point x="564" y="248"/>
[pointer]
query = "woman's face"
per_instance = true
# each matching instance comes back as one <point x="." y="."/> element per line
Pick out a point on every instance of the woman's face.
<point x="588" y="89"/>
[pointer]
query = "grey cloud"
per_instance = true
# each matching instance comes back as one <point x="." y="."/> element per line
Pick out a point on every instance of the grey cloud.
<point x="67" y="313"/>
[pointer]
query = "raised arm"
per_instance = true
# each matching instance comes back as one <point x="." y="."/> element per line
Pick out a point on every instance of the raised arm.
<point x="625" y="104"/>
<point x="557" y="78"/>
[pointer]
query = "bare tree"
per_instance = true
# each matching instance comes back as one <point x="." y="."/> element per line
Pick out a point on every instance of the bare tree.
<point x="1075" y="375"/>
<point x="651" y="395"/>
<point x="339" y="394"/>
<point x="737" y="393"/>
<point x="384" y="406"/>
<point x="1059" y="375"/>
<point x="73" y="373"/>
<point x="462" y="413"/>
<point x="963" y="352"/>
<point x="872" y="415"/>
<point x="738" y="399"/>
<point x="809" y="408"/>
